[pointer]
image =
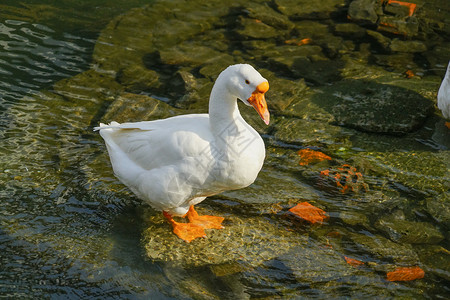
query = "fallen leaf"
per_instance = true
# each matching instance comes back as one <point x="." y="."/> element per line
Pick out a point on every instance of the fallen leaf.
<point x="405" y="274"/>
<point x="309" y="212"/>
<point x="308" y="156"/>
<point x="409" y="74"/>
<point x="298" y="42"/>
<point x="353" y="262"/>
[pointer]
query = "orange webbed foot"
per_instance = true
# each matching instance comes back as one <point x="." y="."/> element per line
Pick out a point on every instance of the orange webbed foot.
<point x="207" y="222"/>
<point x="447" y="124"/>
<point x="185" y="231"/>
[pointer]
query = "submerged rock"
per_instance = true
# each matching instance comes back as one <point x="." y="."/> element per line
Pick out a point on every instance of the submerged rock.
<point x="383" y="249"/>
<point x="439" y="208"/>
<point x="129" y="107"/>
<point x="403" y="231"/>
<point x="308" y="9"/>
<point x="309" y="132"/>
<point x="314" y="263"/>
<point x="375" y="107"/>
<point x="256" y="29"/>
<point x="249" y="239"/>
<point x="424" y="171"/>
<point x="364" y="11"/>
<point x="436" y="260"/>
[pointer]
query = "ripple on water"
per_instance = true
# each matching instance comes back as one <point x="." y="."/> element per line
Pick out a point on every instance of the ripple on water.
<point x="34" y="55"/>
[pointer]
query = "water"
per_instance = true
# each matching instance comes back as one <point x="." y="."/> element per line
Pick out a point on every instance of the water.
<point x="69" y="229"/>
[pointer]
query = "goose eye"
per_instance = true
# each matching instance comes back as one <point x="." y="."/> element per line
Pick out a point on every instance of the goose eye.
<point x="247" y="82"/>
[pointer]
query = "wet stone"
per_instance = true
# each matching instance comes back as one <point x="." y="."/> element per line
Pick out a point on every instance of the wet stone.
<point x="384" y="249"/>
<point x="364" y="11"/>
<point x="309" y="9"/>
<point x="403" y="231"/>
<point x="284" y="92"/>
<point x="374" y="107"/>
<point x="187" y="54"/>
<point x="282" y="188"/>
<point x="439" y="208"/>
<point x="396" y="9"/>
<point x="194" y="92"/>
<point x="129" y="107"/>
<point x="406" y="27"/>
<point x="249" y="239"/>
<point x="380" y="40"/>
<point x="436" y="260"/>
<point x="137" y="78"/>
<point x="215" y="65"/>
<point x="350" y="30"/>
<point x="354" y="218"/>
<point x="308" y="132"/>
<point x="255" y="29"/>
<point x="407" y="46"/>
<point x="313" y="263"/>
<point x="268" y="16"/>
<point x="424" y="171"/>
<point x="396" y="61"/>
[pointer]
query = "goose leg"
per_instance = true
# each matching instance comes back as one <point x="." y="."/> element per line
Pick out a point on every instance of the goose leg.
<point x="207" y="222"/>
<point x="185" y="231"/>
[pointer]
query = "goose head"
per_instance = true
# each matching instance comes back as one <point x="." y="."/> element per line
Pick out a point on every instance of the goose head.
<point x="247" y="85"/>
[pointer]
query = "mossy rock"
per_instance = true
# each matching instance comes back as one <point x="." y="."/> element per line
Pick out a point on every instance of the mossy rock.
<point x="309" y="9"/>
<point x="384" y="249"/>
<point x="255" y="29"/>
<point x="250" y="239"/>
<point x="313" y="263"/>
<point x="423" y="171"/>
<point x="310" y="132"/>
<point x="265" y="14"/>
<point x="436" y="260"/>
<point x="439" y="208"/>
<point x="403" y="231"/>
<point x="374" y="107"/>
<point x="129" y="107"/>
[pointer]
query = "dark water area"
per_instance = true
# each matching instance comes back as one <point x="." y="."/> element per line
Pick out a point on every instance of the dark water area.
<point x="356" y="83"/>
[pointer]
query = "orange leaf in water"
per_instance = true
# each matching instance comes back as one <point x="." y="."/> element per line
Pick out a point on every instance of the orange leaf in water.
<point x="298" y="42"/>
<point x="353" y="262"/>
<point x="309" y="212"/>
<point x="405" y="274"/>
<point x="409" y="74"/>
<point x="308" y="156"/>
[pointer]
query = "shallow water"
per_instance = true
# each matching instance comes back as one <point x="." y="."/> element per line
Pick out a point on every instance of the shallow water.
<point x="68" y="228"/>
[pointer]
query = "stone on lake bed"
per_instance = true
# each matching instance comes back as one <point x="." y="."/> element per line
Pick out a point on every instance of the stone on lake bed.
<point x="312" y="263"/>
<point x="305" y="9"/>
<point x="364" y="11"/>
<point x="375" y="107"/>
<point x="250" y="239"/>
<point x="424" y="171"/>
<point x="129" y="107"/>
<point x="407" y="46"/>
<point x="350" y="30"/>
<point x="309" y="132"/>
<point x="384" y="249"/>
<point x="255" y="29"/>
<point x="268" y="16"/>
<point x="439" y="208"/>
<point x="403" y="231"/>
<point x="436" y="260"/>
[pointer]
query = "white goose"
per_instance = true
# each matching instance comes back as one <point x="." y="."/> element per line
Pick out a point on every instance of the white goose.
<point x="177" y="162"/>
<point x="443" y="101"/>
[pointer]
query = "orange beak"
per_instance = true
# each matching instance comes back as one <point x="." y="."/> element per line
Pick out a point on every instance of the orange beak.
<point x="258" y="101"/>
